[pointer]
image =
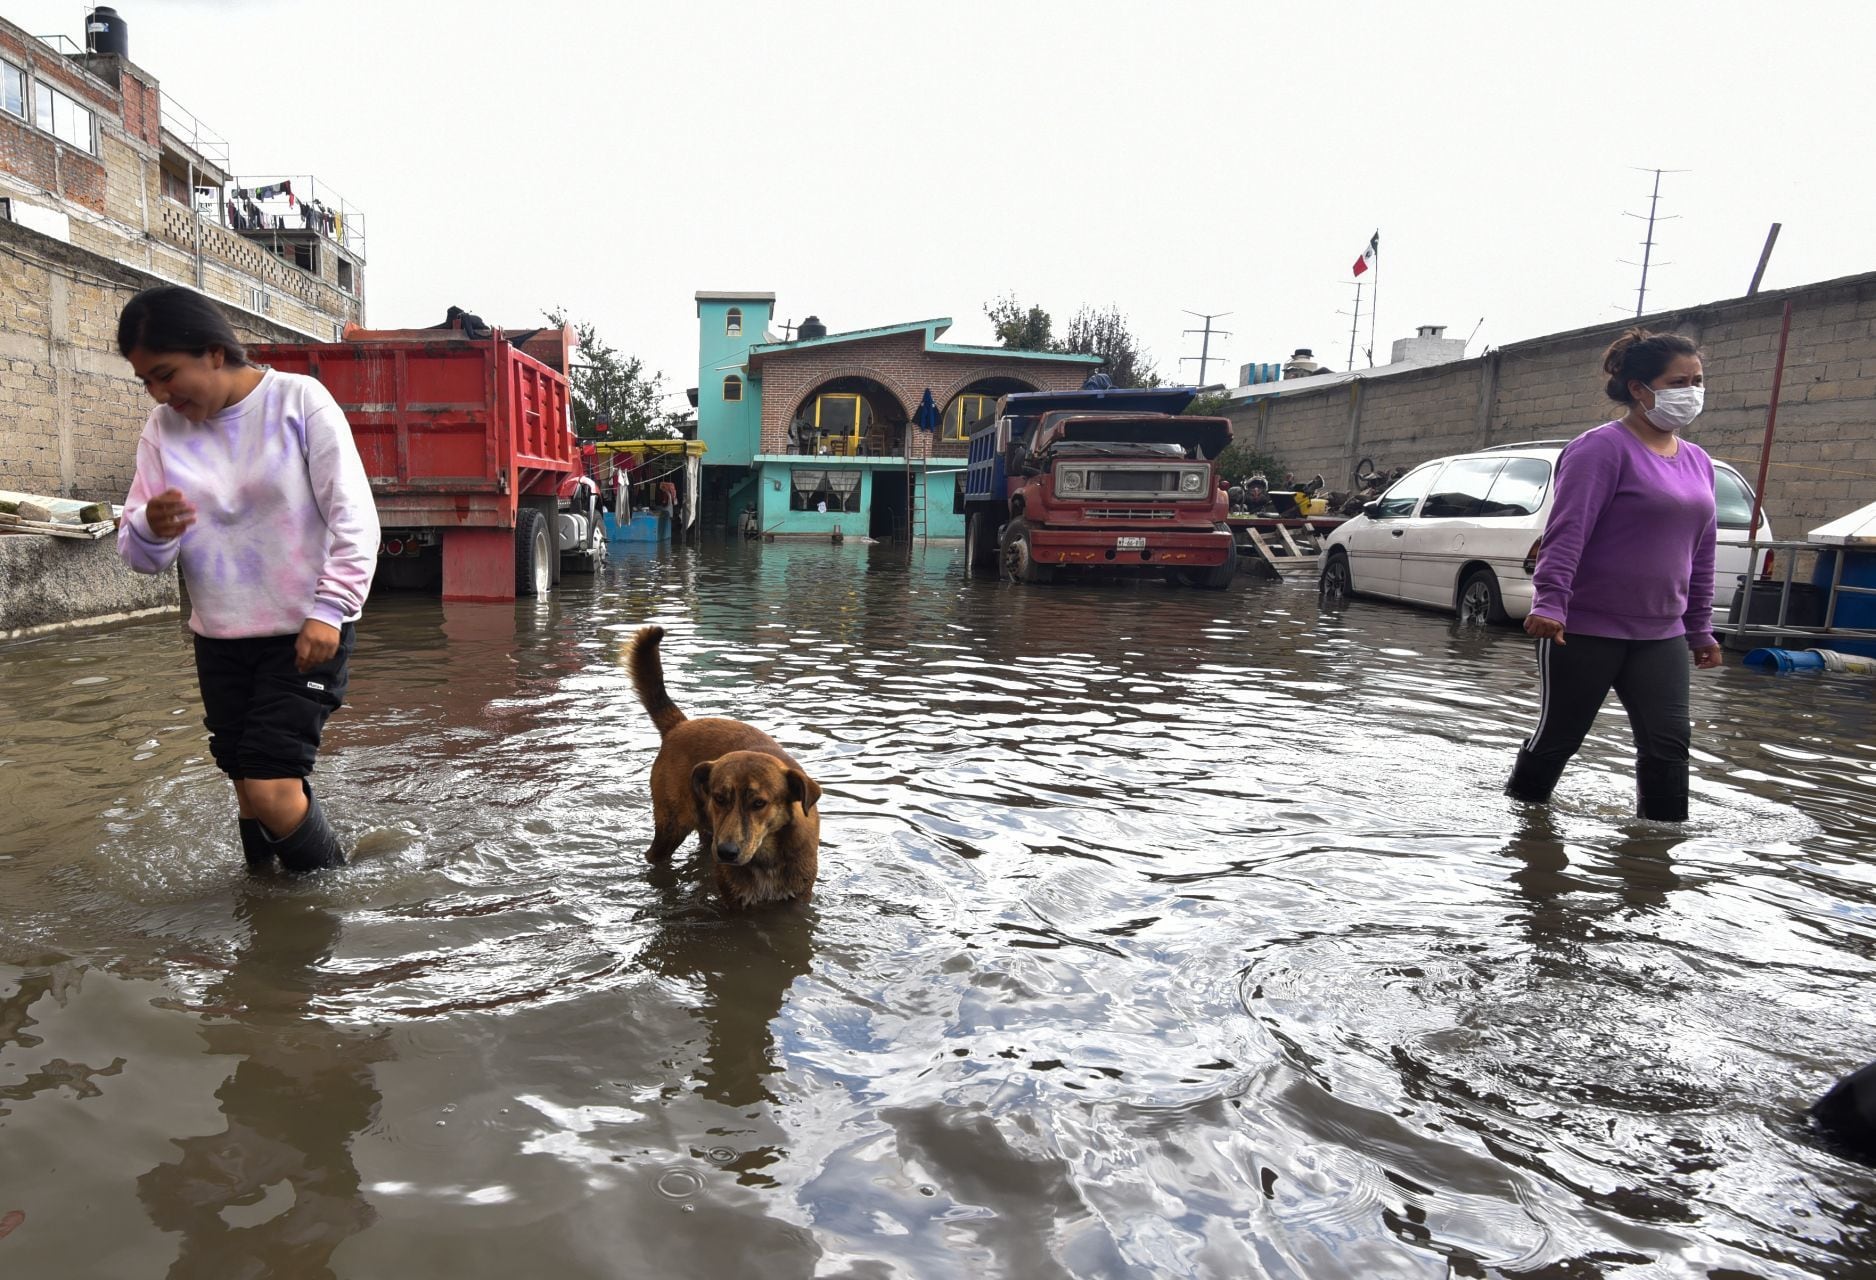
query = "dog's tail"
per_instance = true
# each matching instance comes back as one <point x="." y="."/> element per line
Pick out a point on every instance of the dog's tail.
<point x="648" y="679"/>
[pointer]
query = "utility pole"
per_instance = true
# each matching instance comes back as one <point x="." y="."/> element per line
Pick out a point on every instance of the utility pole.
<point x="1205" y="349"/>
<point x="1648" y="244"/>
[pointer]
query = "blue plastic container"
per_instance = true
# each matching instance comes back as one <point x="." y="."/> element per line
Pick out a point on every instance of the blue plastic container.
<point x="1783" y="660"/>
<point x="1854" y="611"/>
<point x="644" y="526"/>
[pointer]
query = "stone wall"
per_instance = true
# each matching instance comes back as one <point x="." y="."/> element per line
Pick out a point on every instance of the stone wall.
<point x="70" y="411"/>
<point x="1823" y="457"/>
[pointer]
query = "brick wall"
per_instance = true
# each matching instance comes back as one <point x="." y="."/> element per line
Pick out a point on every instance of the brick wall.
<point x="69" y="409"/>
<point x="1823" y="457"/>
<point x="900" y="363"/>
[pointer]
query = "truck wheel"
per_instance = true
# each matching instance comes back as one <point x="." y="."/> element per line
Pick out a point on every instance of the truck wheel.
<point x="980" y="545"/>
<point x="1218" y="577"/>
<point x="534" y="565"/>
<point x="1479" y="601"/>
<point x="1018" y="564"/>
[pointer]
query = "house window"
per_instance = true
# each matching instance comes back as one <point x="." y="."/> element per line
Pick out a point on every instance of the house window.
<point x="733" y="323"/>
<point x="732" y="388"/>
<point x="809" y="489"/>
<point x="63" y="117"/>
<point x="345" y="275"/>
<point x="259" y="301"/>
<point x="301" y="254"/>
<point x="12" y="90"/>
<point x="966" y="414"/>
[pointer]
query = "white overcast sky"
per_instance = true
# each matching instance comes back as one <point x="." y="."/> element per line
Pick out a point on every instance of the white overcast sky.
<point x="882" y="162"/>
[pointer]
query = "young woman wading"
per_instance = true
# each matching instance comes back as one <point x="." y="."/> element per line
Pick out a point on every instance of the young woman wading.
<point x="249" y="479"/>
<point x="1624" y="578"/>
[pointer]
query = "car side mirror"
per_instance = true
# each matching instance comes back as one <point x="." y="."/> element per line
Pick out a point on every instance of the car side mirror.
<point x="1371" y="509"/>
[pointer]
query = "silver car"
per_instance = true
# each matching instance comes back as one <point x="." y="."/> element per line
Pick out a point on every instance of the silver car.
<point x="1461" y="533"/>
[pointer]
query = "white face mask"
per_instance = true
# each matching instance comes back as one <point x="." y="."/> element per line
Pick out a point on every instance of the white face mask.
<point x="1676" y="407"/>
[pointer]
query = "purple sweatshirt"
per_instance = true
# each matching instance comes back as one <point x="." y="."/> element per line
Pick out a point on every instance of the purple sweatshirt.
<point x="1628" y="551"/>
<point x="285" y="527"/>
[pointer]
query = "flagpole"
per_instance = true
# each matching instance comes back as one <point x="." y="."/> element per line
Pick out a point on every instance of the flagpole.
<point x="1374" y="299"/>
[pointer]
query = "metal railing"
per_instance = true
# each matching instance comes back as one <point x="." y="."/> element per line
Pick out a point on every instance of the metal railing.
<point x="1754" y="587"/>
<point x="186" y="128"/>
<point x="313" y="206"/>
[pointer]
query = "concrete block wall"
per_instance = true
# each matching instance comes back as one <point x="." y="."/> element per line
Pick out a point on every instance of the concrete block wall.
<point x="1823" y="457"/>
<point x="70" y="411"/>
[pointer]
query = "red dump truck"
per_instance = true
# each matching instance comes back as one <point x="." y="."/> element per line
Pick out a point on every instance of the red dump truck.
<point x="470" y="452"/>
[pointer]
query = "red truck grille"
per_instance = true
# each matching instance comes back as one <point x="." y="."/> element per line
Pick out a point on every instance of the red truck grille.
<point x="1129" y="513"/>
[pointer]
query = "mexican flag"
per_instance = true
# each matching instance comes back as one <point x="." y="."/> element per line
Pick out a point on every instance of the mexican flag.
<point x="1368" y="255"/>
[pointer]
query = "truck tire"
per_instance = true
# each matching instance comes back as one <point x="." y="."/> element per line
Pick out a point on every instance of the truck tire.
<point x="1218" y="577"/>
<point x="980" y="545"/>
<point x="534" y="561"/>
<point x="1018" y="564"/>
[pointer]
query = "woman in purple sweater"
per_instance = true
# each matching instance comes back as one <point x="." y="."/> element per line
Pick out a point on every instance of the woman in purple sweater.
<point x="1624" y="579"/>
<point x="251" y="480"/>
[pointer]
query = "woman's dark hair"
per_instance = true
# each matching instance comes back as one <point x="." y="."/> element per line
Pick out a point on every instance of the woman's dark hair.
<point x="171" y="318"/>
<point x="1640" y="356"/>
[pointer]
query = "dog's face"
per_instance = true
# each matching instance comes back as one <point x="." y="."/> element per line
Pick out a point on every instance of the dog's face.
<point x="745" y="798"/>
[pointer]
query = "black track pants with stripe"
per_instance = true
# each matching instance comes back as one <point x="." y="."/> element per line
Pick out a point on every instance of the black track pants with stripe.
<point x="1649" y="676"/>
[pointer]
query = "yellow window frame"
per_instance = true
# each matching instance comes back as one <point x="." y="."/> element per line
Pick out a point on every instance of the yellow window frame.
<point x="731" y="380"/>
<point x="859" y="414"/>
<point x="733" y="323"/>
<point x="954" y="417"/>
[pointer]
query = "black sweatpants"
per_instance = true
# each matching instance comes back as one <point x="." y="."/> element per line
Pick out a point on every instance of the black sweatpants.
<point x="265" y="715"/>
<point x="1650" y="677"/>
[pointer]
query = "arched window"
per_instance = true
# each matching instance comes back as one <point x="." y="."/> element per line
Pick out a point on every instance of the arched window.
<point x="732" y="388"/>
<point x="967" y="412"/>
<point x="733" y="325"/>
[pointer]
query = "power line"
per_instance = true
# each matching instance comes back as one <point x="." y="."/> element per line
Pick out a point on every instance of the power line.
<point x="1205" y="348"/>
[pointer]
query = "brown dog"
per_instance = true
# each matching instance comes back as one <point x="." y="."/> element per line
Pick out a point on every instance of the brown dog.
<point x="753" y="806"/>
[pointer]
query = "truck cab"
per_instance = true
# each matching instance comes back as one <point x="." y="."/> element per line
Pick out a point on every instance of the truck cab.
<point x="1066" y="482"/>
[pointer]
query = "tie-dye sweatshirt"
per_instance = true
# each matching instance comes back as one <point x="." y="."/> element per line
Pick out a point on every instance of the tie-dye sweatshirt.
<point x="285" y="527"/>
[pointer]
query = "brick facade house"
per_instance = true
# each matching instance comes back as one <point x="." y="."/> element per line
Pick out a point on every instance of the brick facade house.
<point x="831" y="419"/>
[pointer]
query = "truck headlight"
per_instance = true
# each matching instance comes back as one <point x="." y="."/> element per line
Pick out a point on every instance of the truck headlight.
<point x="1192" y="482"/>
<point x="1071" y="481"/>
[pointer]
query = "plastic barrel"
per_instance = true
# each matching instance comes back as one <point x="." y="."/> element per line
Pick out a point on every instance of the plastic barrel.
<point x="1783" y="660"/>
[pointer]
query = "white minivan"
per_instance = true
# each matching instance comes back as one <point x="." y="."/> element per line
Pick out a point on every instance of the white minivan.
<point x="1461" y="533"/>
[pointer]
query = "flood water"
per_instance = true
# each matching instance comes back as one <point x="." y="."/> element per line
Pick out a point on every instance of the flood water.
<point x="1159" y="933"/>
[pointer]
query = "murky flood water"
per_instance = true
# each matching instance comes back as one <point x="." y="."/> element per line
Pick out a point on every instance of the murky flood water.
<point x="1159" y="933"/>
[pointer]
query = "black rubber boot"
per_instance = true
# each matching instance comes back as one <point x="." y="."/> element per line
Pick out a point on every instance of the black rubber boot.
<point x="1661" y="790"/>
<point x="1847" y="1114"/>
<point x="1532" y="780"/>
<point x="256" y="847"/>
<point x="312" y="846"/>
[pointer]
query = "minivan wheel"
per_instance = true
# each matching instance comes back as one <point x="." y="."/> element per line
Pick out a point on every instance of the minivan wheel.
<point x="1479" y="601"/>
<point x="1335" y="586"/>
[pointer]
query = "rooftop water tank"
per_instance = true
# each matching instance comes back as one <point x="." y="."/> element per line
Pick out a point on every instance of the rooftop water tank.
<point x="811" y="328"/>
<point x="106" y="32"/>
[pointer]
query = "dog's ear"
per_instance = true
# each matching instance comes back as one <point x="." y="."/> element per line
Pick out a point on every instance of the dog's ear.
<point x="803" y="790"/>
<point x="700" y="787"/>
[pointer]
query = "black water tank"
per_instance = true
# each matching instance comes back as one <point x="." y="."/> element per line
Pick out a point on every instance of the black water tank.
<point x="106" y="32"/>
<point x="811" y="328"/>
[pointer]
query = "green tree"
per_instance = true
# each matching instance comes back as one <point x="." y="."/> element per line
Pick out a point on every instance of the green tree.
<point x="1021" y="328"/>
<point x="1211" y="405"/>
<point x="1241" y="462"/>
<point x="612" y="387"/>
<point x="1105" y="333"/>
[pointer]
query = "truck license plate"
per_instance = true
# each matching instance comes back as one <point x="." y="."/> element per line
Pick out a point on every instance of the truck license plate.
<point x="1130" y="544"/>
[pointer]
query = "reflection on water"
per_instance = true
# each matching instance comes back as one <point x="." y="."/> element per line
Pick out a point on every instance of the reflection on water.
<point x="1159" y="933"/>
<point x="276" y="1191"/>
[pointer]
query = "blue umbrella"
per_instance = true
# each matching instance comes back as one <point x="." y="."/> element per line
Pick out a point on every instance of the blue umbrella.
<point x="927" y="414"/>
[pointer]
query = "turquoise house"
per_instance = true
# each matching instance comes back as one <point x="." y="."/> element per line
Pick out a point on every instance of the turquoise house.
<point x="816" y="432"/>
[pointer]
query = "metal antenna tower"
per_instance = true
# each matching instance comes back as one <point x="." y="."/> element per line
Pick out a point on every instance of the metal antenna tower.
<point x="1354" y="325"/>
<point x="1648" y="245"/>
<point x="1205" y="349"/>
